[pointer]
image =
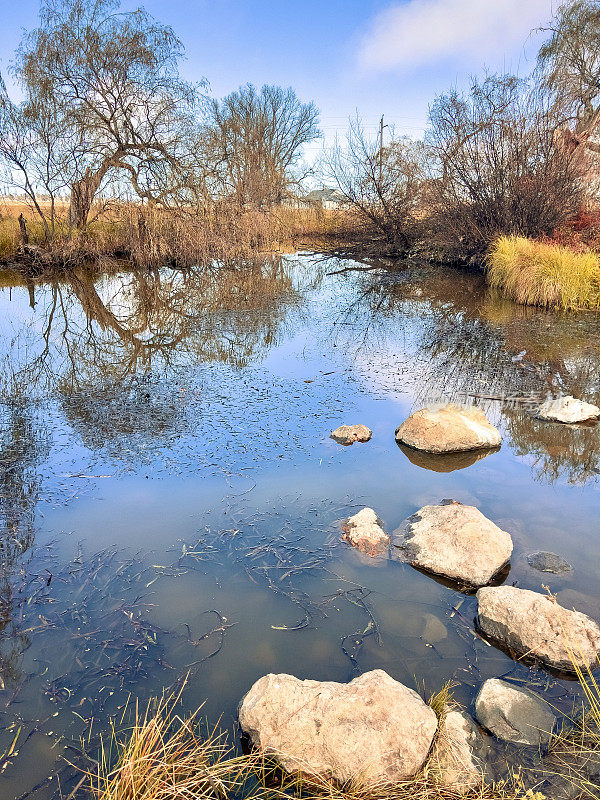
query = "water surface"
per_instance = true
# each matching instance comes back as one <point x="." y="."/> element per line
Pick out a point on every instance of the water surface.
<point x="171" y="501"/>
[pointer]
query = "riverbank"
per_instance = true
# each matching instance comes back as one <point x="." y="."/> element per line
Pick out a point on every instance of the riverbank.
<point x="153" y="237"/>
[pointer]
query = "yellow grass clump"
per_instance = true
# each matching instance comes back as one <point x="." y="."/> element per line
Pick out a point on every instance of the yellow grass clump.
<point x="164" y="756"/>
<point x="544" y="274"/>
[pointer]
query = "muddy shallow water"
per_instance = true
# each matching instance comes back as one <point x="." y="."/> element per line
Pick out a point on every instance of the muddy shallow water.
<point x="171" y="501"/>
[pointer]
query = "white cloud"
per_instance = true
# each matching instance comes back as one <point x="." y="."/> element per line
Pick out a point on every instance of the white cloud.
<point x="420" y="33"/>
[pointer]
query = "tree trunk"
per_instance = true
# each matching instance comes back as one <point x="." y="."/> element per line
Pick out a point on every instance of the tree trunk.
<point x="83" y="192"/>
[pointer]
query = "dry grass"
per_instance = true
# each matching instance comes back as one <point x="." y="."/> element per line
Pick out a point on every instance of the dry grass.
<point x="164" y="756"/>
<point x="544" y="274"/>
<point x="150" y="236"/>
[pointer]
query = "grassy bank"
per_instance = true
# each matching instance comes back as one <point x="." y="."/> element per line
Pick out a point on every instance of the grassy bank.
<point x="166" y="756"/>
<point x="544" y="273"/>
<point x="154" y="237"/>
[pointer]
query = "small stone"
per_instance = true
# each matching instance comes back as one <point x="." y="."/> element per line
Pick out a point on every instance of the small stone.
<point x="348" y="434"/>
<point x="548" y="562"/>
<point x="459" y="754"/>
<point x="448" y="429"/>
<point x="567" y="410"/>
<point x="364" y="532"/>
<point x="535" y="625"/>
<point x="372" y="730"/>
<point x="456" y="541"/>
<point x="514" y="714"/>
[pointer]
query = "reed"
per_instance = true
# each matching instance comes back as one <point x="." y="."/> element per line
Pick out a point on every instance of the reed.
<point x="155" y="237"/>
<point x="544" y="274"/>
<point x="164" y="756"/>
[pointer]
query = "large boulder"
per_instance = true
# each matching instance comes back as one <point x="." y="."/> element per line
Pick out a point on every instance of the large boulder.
<point x="448" y="429"/>
<point x="371" y="730"/>
<point x="514" y="714"/>
<point x="364" y="532"/>
<point x="535" y="625"/>
<point x="348" y="434"/>
<point x="459" y="754"/>
<point x="456" y="541"/>
<point x="568" y="410"/>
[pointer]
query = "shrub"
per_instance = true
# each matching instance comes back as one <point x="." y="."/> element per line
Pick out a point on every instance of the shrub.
<point x="544" y="274"/>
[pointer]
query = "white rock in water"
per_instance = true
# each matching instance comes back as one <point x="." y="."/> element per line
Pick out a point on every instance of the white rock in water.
<point x="459" y="753"/>
<point x="348" y="434"/>
<point x="535" y="625"/>
<point x="568" y="410"/>
<point x="514" y="714"/>
<point x="364" y="532"/>
<point x="454" y="540"/>
<point x="371" y="730"/>
<point x="448" y="429"/>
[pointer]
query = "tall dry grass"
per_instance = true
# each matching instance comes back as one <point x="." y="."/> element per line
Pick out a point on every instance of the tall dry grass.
<point x="155" y="237"/>
<point x="164" y="756"/>
<point x="544" y="274"/>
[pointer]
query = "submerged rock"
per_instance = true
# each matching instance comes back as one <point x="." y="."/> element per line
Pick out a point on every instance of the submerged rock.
<point x="348" y="434"/>
<point x="514" y="714"/>
<point x="448" y="429"/>
<point x="364" y="532"/>
<point x="548" y="562"/>
<point x="370" y="730"/>
<point x="459" y="754"/>
<point x="456" y="541"/>
<point x="568" y="410"/>
<point x="536" y="625"/>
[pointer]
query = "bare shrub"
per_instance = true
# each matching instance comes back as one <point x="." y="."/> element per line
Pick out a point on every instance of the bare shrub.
<point x="500" y="165"/>
<point x="382" y="186"/>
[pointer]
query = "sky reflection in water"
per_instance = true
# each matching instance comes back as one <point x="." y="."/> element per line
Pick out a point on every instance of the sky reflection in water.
<point x="171" y="501"/>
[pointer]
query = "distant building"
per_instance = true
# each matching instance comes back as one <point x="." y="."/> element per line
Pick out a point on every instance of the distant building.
<point x="326" y="198"/>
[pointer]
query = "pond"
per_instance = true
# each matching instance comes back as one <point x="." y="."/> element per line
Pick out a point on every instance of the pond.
<point x="171" y="502"/>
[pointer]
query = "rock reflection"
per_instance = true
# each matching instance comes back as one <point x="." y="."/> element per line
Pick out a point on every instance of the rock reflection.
<point x="444" y="462"/>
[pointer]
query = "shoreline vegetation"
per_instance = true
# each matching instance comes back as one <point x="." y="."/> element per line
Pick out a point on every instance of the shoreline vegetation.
<point x="112" y="154"/>
<point x="170" y="754"/>
<point x="562" y="272"/>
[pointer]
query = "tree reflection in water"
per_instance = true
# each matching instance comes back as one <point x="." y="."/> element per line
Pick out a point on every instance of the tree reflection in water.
<point x="115" y="349"/>
<point x="464" y="341"/>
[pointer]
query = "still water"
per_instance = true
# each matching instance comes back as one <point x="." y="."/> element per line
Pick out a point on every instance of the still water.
<point x="171" y="502"/>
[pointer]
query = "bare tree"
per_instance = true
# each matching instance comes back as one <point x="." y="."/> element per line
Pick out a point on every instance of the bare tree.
<point x="500" y="165"/>
<point x="569" y="62"/>
<point x="37" y="149"/>
<point x="257" y="138"/>
<point x="114" y="79"/>
<point x="383" y="186"/>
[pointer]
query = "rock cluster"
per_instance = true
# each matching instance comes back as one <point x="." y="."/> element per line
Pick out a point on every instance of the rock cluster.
<point x="370" y="730"/>
<point x="348" y="434"/>
<point x="567" y="410"/>
<point x="448" y="429"/>
<point x="456" y="541"/>
<point x="364" y="532"/>
<point x="535" y="625"/>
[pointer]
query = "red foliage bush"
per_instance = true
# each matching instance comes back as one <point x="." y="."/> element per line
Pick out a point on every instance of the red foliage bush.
<point x="579" y="232"/>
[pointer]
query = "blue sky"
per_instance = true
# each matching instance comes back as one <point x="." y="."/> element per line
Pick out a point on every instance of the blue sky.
<point x="373" y="56"/>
